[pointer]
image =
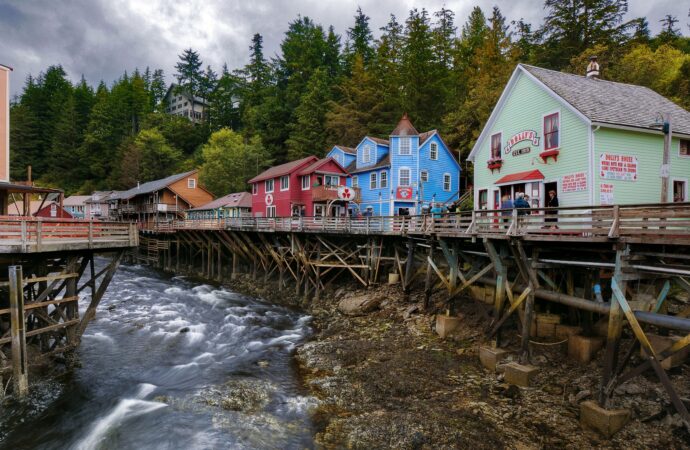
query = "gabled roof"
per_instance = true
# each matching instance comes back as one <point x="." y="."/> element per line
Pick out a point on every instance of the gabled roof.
<point x="103" y="196"/>
<point x="76" y="200"/>
<point x="385" y="161"/>
<point x="405" y="127"/>
<point x="350" y="150"/>
<point x="234" y="200"/>
<point x="385" y="142"/>
<point x="283" y="169"/>
<point x="151" y="186"/>
<point x="423" y="137"/>
<point x="2" y="66"/>
<point x="317" y="164"/>
<point x="609" y="102"/>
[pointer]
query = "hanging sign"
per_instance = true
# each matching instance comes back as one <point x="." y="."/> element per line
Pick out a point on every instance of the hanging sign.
<point x="404" y="193"/>
<point x="269" y="199"/>
<point x="618" y="167"/>
<point x="606" y="194"/>
<point x="574" y="182"/>
<point x="346" y="193"/>
<point x="526" y="135"/>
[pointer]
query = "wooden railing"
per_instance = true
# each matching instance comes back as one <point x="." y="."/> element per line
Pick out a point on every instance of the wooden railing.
<point x="636" y="223"/>
<point x="36" y="234"/>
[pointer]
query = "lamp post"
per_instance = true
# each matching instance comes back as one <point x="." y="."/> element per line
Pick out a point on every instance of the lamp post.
<point x="663" y="121"/>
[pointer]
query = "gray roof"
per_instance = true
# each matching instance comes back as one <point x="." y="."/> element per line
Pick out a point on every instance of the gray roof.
<point x="151" y="186"/>
<point x="385" y="161"/>
<point x="234" y="200"/>
<point x="608" y="102"/>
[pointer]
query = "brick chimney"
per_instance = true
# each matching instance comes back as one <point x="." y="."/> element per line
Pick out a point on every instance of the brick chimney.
<point x="593" y="68"/>
<point x="5" y="123"/>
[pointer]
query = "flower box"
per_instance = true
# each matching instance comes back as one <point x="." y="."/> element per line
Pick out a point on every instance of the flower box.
<point x="493" y="164"/>
<point x="549" y="154"/>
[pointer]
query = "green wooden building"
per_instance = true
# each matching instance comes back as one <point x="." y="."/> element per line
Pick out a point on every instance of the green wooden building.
<point x="594" y="142"/>
<point x="237" y="204"/>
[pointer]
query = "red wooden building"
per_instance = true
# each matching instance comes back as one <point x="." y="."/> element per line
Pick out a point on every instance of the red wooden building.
<point x="306" y="187"/>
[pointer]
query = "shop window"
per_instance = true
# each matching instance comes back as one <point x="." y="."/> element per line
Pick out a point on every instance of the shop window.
<point x="483" y="198"/>
<point x="680" y="191"/>
<point x="685" y="147"/>
<point x="496" y="146"/>
<point x="271" y="211"/>
<point x="551" y="131"/>
<point x="433" y="151"/>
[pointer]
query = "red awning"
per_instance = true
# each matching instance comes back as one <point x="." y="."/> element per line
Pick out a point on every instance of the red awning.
<point x="530" y="175"/>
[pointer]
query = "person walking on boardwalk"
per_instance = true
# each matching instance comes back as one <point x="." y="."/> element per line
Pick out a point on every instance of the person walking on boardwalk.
<point x="506" y="209"/>
<point x="521" y="204"/>
<point x="552" y="214"/>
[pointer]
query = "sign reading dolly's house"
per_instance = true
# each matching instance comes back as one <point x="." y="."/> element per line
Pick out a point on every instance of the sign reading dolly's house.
<point x="618" y="167"/>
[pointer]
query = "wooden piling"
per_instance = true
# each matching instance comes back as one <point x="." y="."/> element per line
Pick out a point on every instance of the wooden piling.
<point x="20" y="365"/>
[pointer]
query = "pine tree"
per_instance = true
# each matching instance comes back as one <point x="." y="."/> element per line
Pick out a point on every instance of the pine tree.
<point x="387" y="70"/>
<point x="158" y="89"/>
<point x="64" y="156"/>
<point x="308" y="134"/>
<point x="359" y="40"/>
<point x="224" y="103"/>
<point x="669" y="32"/>
<point x="189" y="75"/>
<point x="332" y="59"/>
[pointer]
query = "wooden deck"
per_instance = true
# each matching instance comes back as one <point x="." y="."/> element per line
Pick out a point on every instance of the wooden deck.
<point x="658" y="224"/>
<point x="37" y="235"/>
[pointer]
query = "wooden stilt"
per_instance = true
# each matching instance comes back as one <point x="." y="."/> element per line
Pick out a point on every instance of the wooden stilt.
<point x="20" y="365"/>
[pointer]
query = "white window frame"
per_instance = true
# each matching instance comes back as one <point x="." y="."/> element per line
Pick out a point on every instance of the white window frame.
<point x="373" y="181"/>
<point x="450" y="181"/>
<point x="679" y="142"/>
<point x="672" y="180"/>
<point x="407" y="147"/>
<point x="560" y="131"/>
<point x="306" y="182"/>
<point x="331" y="180"/>
<point x="383" y="179"/>
<point x="433" y="151"/>
<point x="191" y="183"/>
<point x="409" y="177"/>
<point x="423" y="176"/>
<point x="321" y="207"/>
<point x="271" y="211"/>
<point x="287" y="184"/>
<point x="500" y="144"/>
<point x="255" y="188"/>
<point x="366" y="154"/>
<point x="355" y="181"/>
<point x="266" y="184"/>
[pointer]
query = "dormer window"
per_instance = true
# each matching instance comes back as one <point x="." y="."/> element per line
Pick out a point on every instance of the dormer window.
<point x="433" y="151"/>
<point x="405" y="147"/>
<point x="191" y="183"/>
<point x="551" y="131"/>
<point x="366" y="153"/>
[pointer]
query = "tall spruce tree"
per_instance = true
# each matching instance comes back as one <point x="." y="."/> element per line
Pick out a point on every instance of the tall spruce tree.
<point x="308" y="134"/>
<point x="189" y="75"/>
<point x="359" y="40"/>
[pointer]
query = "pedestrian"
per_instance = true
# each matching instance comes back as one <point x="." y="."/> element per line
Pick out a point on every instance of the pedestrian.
<point x="506" y="209"/>
<point x="521" y="204"/>
<point x="436" y="211"/>
<point x="552" y="214"/>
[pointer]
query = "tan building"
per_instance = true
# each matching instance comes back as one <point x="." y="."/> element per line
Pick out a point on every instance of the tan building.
<point x="5" y="123"/>
<point x="182" y="104"/>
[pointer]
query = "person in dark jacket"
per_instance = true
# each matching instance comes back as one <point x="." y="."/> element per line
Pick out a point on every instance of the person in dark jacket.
<point x="521" y="204"/>
<point x="551" y="215"/>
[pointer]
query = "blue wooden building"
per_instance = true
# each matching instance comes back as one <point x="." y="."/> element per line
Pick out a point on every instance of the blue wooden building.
<point x="403" y="174"/>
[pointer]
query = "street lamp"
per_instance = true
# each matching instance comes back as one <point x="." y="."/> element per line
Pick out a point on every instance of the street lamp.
<point x="663" y="121"/>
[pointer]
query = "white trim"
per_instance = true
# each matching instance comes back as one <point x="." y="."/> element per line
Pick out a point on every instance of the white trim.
<point x="426" y="172"/>
<point x="519" y="69"/>
<point x="191" y="183"/>
<point x="255" y="188"/>
<point x="400" y="169"/>
<point x="272" y="180"/>
<point x="382" y="177"/>
<point x="685" y="194"/>
<point x="271" y="207"/>
<point x="284" y="177"/>
<point x="638" y="129"/>
<point x="366" y="154"/>
<point x="431" y="144"/>
<point x="450" y="182"/>
<point x="308" y="178"/>
<point x="543" y="132"/>
<point x="355" y="180"/>
<point x="500" y="145"/>
<point x="373" y="177"/>
<point x="407" y="139"/>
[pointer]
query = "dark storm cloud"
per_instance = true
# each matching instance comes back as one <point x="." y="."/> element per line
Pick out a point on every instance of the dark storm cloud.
<point x="102" y="38"/>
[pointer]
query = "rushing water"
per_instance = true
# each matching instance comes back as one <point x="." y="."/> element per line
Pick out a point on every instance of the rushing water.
<point x="157" y="364"/>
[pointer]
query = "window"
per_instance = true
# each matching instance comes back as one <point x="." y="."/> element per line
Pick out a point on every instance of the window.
<point x="185" y="103"/>
<point x="372" y="180"/>
<point x="483" y="198"/>
<point x="332" y="180"/>
<point x="684" y="147"/>
<point x="404" y="176"/>
<point x="446" y="182"/>
<point x="496" y="146"/>
<point x="255" y="188"/>
<point x="191" y="183"/>
<point x="680" y="193"/>
<point x="271" y="210"/>
<point x="383" y="180"/>
<point x="433" y="151"/>
<point x="285" y="182"/>
<point x="355" y="181"/>
<point x="305" y="182"/>
<point x="551" y="131"/>
<point x="268" y="185"/>
<point x="405" y="146"/>
<point x="366" y="153"/>
<point x="424" y="176"/>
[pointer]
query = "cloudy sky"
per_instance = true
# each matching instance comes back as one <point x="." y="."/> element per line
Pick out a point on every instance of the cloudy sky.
<point x="102" y="38"/>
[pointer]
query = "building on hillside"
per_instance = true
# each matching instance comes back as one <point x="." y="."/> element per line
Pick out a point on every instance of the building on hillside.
<point x="40" y="208"/>
<point x="98" y="206"/>
<point x="306" y="187"/>
<point x="238" y="204"/>
<point x="344" y="155"/>
<point x="593" y="142"/>
<point x="181" y="104"/>
<point x="161" y="200"/>
<point x="77" y="207"/>
<point x="402" y="175"/>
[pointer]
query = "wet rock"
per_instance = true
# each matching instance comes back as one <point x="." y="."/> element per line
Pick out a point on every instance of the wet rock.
<point x="243" y="395"/>
<point x="184" y="330"/>
<point x="582" y="395"/>
<point x="630" y="388"/>
<point x="356" y="306"/>
<point x="408" y="312"/>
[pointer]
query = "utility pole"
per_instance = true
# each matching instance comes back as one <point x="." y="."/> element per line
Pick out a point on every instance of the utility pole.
<point x="665" y="168"/>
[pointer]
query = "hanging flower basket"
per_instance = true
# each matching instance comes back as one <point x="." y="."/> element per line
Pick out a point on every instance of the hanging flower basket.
<point x="494" y="164"/>
<point x="549" y="154"/>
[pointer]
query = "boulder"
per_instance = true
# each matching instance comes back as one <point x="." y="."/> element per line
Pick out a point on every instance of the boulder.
<point x="361" y="304"/>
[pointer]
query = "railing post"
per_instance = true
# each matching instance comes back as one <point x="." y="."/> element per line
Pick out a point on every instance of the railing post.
<point x="23" y="235"/>
<point x="90" y="234"/>
<point x="614" y="232"/>
<point x="368" y="222"/>
<point x="39" y="235"/>
<point x="513" y="229"/>
<point x="20" y="365"/>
